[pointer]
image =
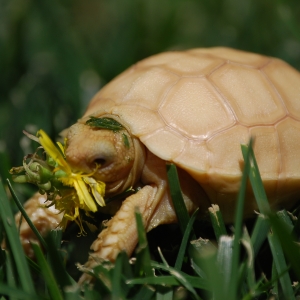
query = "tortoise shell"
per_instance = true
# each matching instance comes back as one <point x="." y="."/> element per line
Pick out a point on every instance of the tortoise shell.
<point x="195" y="108"/>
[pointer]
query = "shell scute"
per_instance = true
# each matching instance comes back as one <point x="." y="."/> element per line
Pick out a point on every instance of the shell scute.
<point x="225" y="147"/>
<point x="266" y="148"/>
<point x="190" y="65"/>
<point x="141" y="120"/>
<point x="161" y="59"/>
<point x="186" y="159"/>
<point x="286" y="80"/>
<point x="204" y="114"/>
<point x="149" y="88"/>
<point x="234" y="56"/>
<point x="249" y="93"/>
<point x="167" y="140"/>
<point x="289" y="139"/>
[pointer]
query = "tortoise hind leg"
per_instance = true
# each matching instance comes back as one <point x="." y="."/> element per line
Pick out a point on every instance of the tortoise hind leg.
<point x="44" y="219"/>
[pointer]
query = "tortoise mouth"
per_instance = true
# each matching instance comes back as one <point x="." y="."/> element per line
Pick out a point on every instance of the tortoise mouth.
<point x="115" y="188"/>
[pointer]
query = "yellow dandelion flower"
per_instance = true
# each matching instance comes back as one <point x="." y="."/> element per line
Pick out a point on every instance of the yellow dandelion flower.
<point x="84" y="184"/>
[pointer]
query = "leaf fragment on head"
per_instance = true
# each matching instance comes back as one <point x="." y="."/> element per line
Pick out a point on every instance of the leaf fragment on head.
<point x="104" y="123"/>
<point x="126" y="141"/>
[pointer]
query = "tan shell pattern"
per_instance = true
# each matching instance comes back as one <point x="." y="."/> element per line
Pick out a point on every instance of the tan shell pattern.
<point x="195" y="108"/>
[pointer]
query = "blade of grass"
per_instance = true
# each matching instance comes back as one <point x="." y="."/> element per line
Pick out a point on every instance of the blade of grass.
<point x="287" y="244"/>
<point x="246" y="241"/>
<point x="280" y="264"/>
<point x="117" y="292"/>
<point x="176" y="195"/>
<point x="143" y="264"/>
<point x="17" y="293"/>
<point x="224" y="262"/>
<point x="127" y="268"/>
<point x="145" y="293"/>
<point x="288" y="240"/>
<point x="264" y="207"/>
<point x="56" y="262"/>
<point x="180" y="276"/>
<point x="217" y="221"/>
<point x="205" y="259"/>
<point x="204" y="256"/>
<point x="275" y="287"/>
<point x="185" y="239"/>
<point x="11" y="280"/>
<point x="283" y="215"/>
<point x="24" y="214"/>
<point x="103" y="275"/>
<point x="125" y="273"/>
<point x="47" y="273"/>
<point x="256" y="182"/>
<point x="91" y="294"/>
<point x="34" y="266"/>
<point x="2" y="263"/>
<point x="259" y="289"/>
<point x="233" y="286"/>
<point x="197" y="269"/>
<point x="259" y="233"/>
<point x="169" y="280"/>
<point x="164" y="293"/>
<point x="71" y="294"/>
<point x="14" y="242"/>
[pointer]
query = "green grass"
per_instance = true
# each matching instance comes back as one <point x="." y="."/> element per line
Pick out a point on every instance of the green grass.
<point x="226" y="267"/>
<point x="53" y="59"/>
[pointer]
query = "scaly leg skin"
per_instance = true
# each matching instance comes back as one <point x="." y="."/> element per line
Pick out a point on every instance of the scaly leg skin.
<point x="121" y="232"/>
<point x="44" y="219"/>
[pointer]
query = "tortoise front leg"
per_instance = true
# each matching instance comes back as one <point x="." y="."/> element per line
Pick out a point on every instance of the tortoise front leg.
<point x="121" y="232"/>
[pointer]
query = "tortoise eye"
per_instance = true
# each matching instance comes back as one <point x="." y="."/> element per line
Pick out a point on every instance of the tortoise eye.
<point x="99" y="161"/>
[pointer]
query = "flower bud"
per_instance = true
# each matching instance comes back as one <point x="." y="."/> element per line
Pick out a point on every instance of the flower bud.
<point x="45" y="186"/>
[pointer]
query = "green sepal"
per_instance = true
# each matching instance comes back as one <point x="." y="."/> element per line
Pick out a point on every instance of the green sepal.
<point x="44" y="173"/>
<point x="104" y="123"/>
<point x="20" y="178"/>
<point x="60" y="173"/>
<point x="50" y="161"/>
<point x="44" y="186"/>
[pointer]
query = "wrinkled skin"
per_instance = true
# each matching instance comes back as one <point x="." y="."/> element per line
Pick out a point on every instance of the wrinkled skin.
<point x="44" y="219"/>
<point x="121" y="167"/>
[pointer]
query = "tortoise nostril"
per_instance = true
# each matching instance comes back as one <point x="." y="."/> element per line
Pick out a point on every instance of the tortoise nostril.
<point x="99" y="161"/>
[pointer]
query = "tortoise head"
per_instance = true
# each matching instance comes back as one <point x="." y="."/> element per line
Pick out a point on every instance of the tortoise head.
<point x="97" y="145"/>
